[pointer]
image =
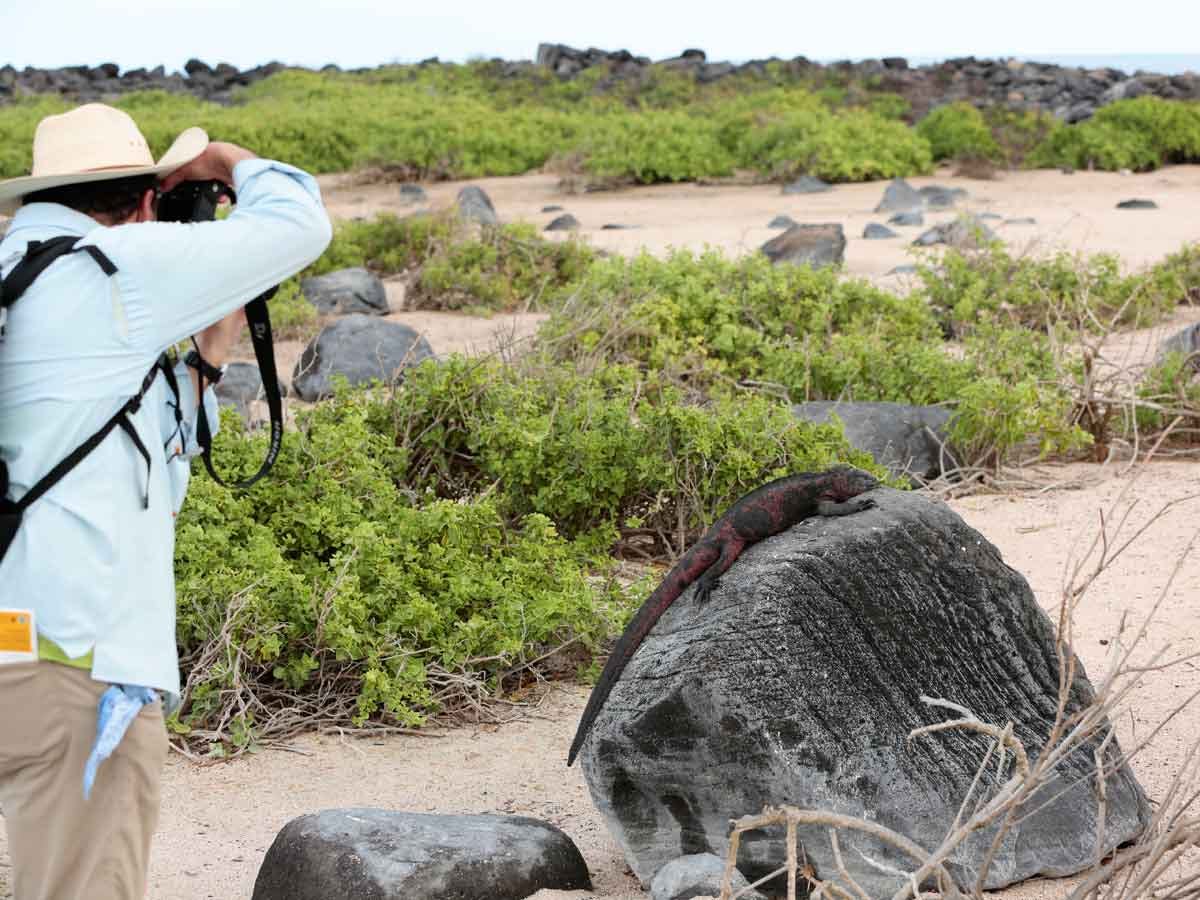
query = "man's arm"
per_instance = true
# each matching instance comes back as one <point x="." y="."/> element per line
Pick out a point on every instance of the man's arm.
<point x="190" y="276"/>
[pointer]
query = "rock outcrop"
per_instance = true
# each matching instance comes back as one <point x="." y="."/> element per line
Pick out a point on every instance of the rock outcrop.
<point x="1072" y="94"/>
<point x="799" y="681"/>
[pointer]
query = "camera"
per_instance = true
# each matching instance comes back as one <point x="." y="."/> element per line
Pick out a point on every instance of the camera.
<point x="193" y="201"/>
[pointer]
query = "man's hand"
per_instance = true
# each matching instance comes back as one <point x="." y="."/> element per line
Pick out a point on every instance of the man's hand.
<point x="215" y="163"/>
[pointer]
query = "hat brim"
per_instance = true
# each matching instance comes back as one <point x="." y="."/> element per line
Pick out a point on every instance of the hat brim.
<point x="190" y="144"/>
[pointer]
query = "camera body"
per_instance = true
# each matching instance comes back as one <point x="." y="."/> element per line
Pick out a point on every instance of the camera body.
<point x="193" y="201"/>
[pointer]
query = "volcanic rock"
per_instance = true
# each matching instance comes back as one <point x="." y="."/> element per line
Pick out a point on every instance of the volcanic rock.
<point x="348" y="854"/>
<point x="413" y="194"/>
<point x="813" y="245"/>
<point x="475" y="205"/>
<point x="696" y="875"/>
<point x="1186" y="342"/>
<point x="938" y="197"/>
<point x="565" y="222"/>
<point x="1137" y="204"/>
<point x="899" y="196"/>
<point x="346" y="291"/>
<point x="910" y="441"/>
<point x="359" y="348"/>
<point x="964" y="232"/>
<point x="807" y="184"/>
<point x="877" y="232"/>
<point x="799" y="681"/>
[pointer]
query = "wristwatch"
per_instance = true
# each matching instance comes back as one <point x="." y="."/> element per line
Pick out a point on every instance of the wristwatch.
<point x="210" y="373"/>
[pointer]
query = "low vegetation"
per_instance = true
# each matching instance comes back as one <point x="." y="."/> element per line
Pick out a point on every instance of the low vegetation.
<point x="441" y="121"/>
<point x="420" y="547"/>
<point x="429" y="544"/>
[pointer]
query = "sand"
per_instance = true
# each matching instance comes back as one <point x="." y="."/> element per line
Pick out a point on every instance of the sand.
<point x="218" y="820"/>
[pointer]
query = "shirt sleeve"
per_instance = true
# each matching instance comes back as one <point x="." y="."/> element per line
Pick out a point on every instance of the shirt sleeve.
<point x="190" y="275"/>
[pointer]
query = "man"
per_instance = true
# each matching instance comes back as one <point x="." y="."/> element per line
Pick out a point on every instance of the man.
<point x="91" y="564"/>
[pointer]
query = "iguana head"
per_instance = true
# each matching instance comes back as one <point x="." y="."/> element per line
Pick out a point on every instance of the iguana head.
<point x="846" y="482"/>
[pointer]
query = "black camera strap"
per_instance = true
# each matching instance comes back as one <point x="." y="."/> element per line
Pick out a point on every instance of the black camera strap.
<point x="258" y="317"/>
<point x="197" y="201"/>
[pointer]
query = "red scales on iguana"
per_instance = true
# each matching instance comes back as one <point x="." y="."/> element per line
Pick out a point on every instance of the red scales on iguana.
<point x="765" y="511"/>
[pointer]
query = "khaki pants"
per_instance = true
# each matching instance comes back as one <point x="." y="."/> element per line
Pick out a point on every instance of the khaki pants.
<point x="64" y="847"/>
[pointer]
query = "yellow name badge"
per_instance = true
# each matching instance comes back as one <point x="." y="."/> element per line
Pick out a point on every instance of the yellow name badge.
<point x="18" y="636"/>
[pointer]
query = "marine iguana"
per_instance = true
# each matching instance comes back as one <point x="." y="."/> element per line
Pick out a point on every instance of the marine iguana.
<point x="767" y="510"/>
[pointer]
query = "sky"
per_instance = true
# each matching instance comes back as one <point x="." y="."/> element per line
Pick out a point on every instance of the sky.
<point x="134" y="33"/>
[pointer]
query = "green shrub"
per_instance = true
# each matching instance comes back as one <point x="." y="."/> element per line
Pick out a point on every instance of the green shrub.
<point x="458" y="265"/>
<point x="850" y="146"/>
<point x="1019" y="133"/>
<point x="1169" y="389"/>
<point x="588" y="447"/>
<point x="291" y="313"/>
<point x="1081" y="292"/>
<point x="958" y="131"/>
<point x="326" y="597"/>
<point x="1138" y="134"/>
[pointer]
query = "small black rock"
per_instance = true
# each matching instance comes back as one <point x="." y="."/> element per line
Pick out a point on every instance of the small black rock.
<point x="552" y="209"/>
<point x="413" y="193"/>
<point x="908" y="218"/>
<point x="1137" y="204"/>
<point x="565" y="222"/>
<point x="877" y="232"/>
<point x="807" y="184"/>
<point x="782" y="222"/>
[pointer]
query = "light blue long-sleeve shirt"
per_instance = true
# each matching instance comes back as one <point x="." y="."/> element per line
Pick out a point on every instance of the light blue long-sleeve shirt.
<point x="94" y="564"/>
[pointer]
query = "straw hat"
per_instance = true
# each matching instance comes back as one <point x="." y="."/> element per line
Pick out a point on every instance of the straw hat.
<point x="94" y="142"/>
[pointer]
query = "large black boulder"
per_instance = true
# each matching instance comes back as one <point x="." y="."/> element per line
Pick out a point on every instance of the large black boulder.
<point x="361" y="348"/>
<point x="347" y="854"/>
<point x="911" y="441"/>
<point x="811" y="245"/>
<point x="900" y="196"/>
<point x="799" y="681"/>
<point x="474" y="205"/>
<point x="346" y="291"/>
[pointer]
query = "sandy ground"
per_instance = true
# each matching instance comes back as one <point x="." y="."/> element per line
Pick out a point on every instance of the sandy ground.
<point x="218" y="821"/>
<point x="1076" y="212"/>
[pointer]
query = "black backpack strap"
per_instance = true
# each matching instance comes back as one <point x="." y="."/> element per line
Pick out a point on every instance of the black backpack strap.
<point x="120" y="419"/>
<point x="38" y="256"/>
<point x="168" y="371"/>
<point x="259" y="319"/>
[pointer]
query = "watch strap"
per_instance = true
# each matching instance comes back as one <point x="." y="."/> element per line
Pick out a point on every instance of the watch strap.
<point x="210" y="373"/>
